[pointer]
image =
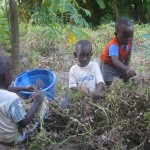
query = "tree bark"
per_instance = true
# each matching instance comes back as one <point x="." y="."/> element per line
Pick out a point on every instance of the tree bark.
<point x="116" y="8"/>
<point x="15" y="43"/>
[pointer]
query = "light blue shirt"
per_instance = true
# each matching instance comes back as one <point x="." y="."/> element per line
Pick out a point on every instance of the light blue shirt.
<point x="114" y="49"/>
<point x="16" y="111"/>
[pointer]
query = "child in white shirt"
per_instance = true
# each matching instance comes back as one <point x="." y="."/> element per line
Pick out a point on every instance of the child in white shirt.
<point x="86" y="75"/>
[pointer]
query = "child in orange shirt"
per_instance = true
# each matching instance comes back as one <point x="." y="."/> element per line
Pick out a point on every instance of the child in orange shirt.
<point x="115" y="58"/>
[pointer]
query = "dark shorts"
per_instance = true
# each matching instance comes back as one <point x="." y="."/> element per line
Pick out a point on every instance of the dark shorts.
<point x="109" y="72"/>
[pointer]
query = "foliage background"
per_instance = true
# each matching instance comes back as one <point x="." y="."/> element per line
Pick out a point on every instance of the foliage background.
<point x="101" y="10"/>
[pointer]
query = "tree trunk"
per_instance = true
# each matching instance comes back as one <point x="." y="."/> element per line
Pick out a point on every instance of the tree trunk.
<point x="116" y="8"/>
<point x="15" y="44"/>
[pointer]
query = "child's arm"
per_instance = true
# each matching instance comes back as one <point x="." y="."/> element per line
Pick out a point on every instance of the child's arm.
<point x="74" y="89"/>
<point x="73" y="85"/>
<point x="99" y="92"/>
<point x="120" y="66"/>
<point x="81" y="88"/>
<point x="100" y="86"/>
<point x="38" y="99"/>
<point x="127" y="61"/>
<point x="21" y="88"/>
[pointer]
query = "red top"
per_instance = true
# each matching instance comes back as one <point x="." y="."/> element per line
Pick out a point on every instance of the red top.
<point x="122" y="53"/>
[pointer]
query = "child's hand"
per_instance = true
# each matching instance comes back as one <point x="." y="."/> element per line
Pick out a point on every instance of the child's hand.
<point x="95" y="94"/>
<point x="39" y="97"/>
<point x="85" y="89"/>
<point x="130" y="73"/>
<point x="31" y="88"/>
<point x="74" y="89"/>
<point x="102" y="94"/>
<point x="92" y="94"/>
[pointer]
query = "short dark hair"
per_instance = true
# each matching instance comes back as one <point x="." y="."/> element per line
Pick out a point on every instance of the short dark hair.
<point x="4" y="65"/>
<point x="83" y="43"/>
<point x="123" y="21"/>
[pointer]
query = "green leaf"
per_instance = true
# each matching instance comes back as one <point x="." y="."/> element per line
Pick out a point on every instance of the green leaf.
<point x="78" y="32"/>
<point x="62" y="5"/>
<point x="46" y="3"/>
<point x="101" y="4"/>
<point x="55" y="5"/>
<point x="87" y="12"/>
<point x="53" y="14"/>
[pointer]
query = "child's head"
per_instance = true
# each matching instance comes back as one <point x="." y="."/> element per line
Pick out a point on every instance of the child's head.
<point x="83" y="52"/>
<point x="124" y="30"/>
<point x="5" y="72"/>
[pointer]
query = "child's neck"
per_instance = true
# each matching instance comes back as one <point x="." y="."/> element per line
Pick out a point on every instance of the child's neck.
<point x="81" y="65"/>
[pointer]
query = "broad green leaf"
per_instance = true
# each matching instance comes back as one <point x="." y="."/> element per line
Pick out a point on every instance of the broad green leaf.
<point x="62" y="5"/>
<point x="78" y="32"/>
<point x="46" y="3"/>
<point x="87" y="12"/>
<point x="55" y="5"/>
<point x="101" y="3"/>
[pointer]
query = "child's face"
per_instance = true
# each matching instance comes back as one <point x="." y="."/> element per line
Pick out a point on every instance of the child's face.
<point x="125" y="35"/>
<point x="83" y="55"/>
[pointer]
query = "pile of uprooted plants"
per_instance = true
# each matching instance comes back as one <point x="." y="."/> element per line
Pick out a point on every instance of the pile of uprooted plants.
<point x="121" y="121"/>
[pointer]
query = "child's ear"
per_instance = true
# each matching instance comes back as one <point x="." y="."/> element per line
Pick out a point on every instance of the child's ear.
<point x="75" y="55"/>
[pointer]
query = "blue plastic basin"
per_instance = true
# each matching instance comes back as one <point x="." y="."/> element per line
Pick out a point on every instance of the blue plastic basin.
<point x="43" y="79"/>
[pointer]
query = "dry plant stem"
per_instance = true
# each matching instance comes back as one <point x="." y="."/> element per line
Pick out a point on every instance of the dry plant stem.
<point x="103" y="109"/>
<point x="118" y="97"/>
<point x="72" y="137"/>
<point x="76" y="120"/>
